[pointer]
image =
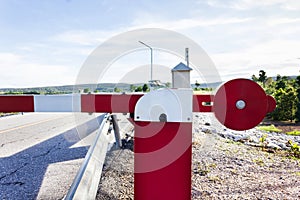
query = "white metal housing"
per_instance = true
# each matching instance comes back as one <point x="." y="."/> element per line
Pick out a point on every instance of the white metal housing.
<point x="166" y="105"/>
<point x="181" y="76"/>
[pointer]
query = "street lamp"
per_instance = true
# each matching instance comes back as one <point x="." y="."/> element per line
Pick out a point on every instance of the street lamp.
<point x="151" y="51"/>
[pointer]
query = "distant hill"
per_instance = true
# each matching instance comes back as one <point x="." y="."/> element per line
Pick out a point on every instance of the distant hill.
<point x="208" y="85"/>
<point x="100" y="87"/>
<point x="68" y="89"/>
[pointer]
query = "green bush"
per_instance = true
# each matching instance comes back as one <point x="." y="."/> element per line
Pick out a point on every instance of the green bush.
<point x="286" y="91"/>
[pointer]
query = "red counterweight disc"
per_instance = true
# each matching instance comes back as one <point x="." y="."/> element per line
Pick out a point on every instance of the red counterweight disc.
<point x="240" y="104"/>
<point x="271" y="104"/>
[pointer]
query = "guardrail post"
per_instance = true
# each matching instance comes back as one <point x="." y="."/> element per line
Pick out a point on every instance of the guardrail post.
<point x="116" y="131"/>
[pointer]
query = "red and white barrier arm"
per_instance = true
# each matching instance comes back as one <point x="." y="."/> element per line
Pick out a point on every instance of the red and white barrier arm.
<point x="117" y="103"/>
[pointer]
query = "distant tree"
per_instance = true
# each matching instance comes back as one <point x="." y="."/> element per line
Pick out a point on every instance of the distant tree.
<point x="96" y="91"/>
<point x="278" y="77"/>
<point x="13" y="92"/>
<point x="86" y="90"/>
<point x="286" y="78"/>
<point x="298" y="96"/>
<point x="270" y="89"/>
<point x="286" y="92"/>
<point x="197" y="84"/>
<point x="139" y="89"/>
<point x="117" y="90"/>
<point x="298" y="81"/>
<point x="49" y="90"/>
<point x="297" y="114"/>
<point x="207" y="89"/>
<point x="168" y="84"/>
<point x="145" y="88"/>
<point x="269" y="81"/>
<point x="281" y="84"/>
<point x="286" y="104"/>
<point x="254" y="78"/>
<point x="262" y="77"/>
<point x="31" y="92"/>
<point x="132" y="88"/>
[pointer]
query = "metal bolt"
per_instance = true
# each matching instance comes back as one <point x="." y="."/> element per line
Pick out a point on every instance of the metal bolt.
<point x="163" y="117"/>
<point x="240" y="104"/>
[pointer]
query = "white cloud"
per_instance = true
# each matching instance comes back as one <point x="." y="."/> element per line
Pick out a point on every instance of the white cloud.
<point x="79" y="37"/>
<point x="85" y="37"/>
<point x="188" y="22"/>
<point x="17" y="71"/>
<point x="275" y="57"/>
<point x="251" y="4"/>
<point x="248" y="4"/>
<point x="95" y="37"/>
<point x="282" y="21"/>
<point x="291" y="4"/>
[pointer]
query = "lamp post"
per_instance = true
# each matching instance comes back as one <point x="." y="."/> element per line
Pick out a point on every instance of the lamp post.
<point x="151" y="51"/>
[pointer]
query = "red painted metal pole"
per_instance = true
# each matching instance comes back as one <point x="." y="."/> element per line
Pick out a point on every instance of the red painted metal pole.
<point x="162" y="161"/>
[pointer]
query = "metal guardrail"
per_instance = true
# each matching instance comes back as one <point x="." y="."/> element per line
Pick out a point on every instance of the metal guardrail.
<point x="85" y="184"/>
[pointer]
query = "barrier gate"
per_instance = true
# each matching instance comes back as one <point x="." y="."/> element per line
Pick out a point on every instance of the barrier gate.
<point x="163" y="126"/>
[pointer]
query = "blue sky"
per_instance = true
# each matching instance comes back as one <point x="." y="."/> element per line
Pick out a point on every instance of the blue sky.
<point x="45" y="43"/>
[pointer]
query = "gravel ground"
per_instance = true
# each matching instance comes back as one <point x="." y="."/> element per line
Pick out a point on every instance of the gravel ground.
<point x="231" y="170"/>
<point x="222" y="169"/>
<point x="117" y="176"/>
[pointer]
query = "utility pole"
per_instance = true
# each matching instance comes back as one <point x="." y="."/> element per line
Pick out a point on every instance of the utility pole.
<point x="151" y="62"/>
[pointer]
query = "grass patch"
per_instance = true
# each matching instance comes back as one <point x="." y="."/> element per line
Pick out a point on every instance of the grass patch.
<point x="259" y="162"/>
<point x="3" y="114"/>
<point x="7" y="114"/>
<point x="214" y="179"/>
<point x="296" y="133"/>
<point x="270" y="128"/>
<point x="293" y="158"/>
<point x="228" y="141"/>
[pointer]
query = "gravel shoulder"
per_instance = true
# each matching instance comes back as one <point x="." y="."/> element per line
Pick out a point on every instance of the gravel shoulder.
<point x="232" y="170"/>
<point x="222" y="169"/>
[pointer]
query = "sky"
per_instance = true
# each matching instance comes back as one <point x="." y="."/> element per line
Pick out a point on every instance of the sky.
<point x="46" y="43"/>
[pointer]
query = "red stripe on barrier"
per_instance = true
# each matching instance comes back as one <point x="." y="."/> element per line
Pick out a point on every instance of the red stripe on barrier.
<point x="125" y="103"/>
<point x="16" y="104"/>
<point x="122" y="103"/>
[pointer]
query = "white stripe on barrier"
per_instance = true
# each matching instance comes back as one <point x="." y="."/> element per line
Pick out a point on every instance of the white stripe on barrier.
<point x="57" y="103"/>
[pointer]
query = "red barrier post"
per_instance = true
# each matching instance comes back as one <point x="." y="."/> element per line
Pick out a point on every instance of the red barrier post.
<point x="161" y="171"/>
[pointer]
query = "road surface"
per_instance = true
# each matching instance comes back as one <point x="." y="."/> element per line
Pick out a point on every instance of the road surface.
<point x="40" y="153"/>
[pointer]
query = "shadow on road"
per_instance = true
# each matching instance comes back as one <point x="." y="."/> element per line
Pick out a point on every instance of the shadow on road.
<point x="21" y="174"/>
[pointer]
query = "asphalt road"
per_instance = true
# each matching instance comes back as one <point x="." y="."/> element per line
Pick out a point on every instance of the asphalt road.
<point x="40" y="153"/>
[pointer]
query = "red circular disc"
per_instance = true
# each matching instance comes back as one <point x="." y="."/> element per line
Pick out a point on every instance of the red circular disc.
<point x="252" y="111"/>
<point x="271" y="103"/>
